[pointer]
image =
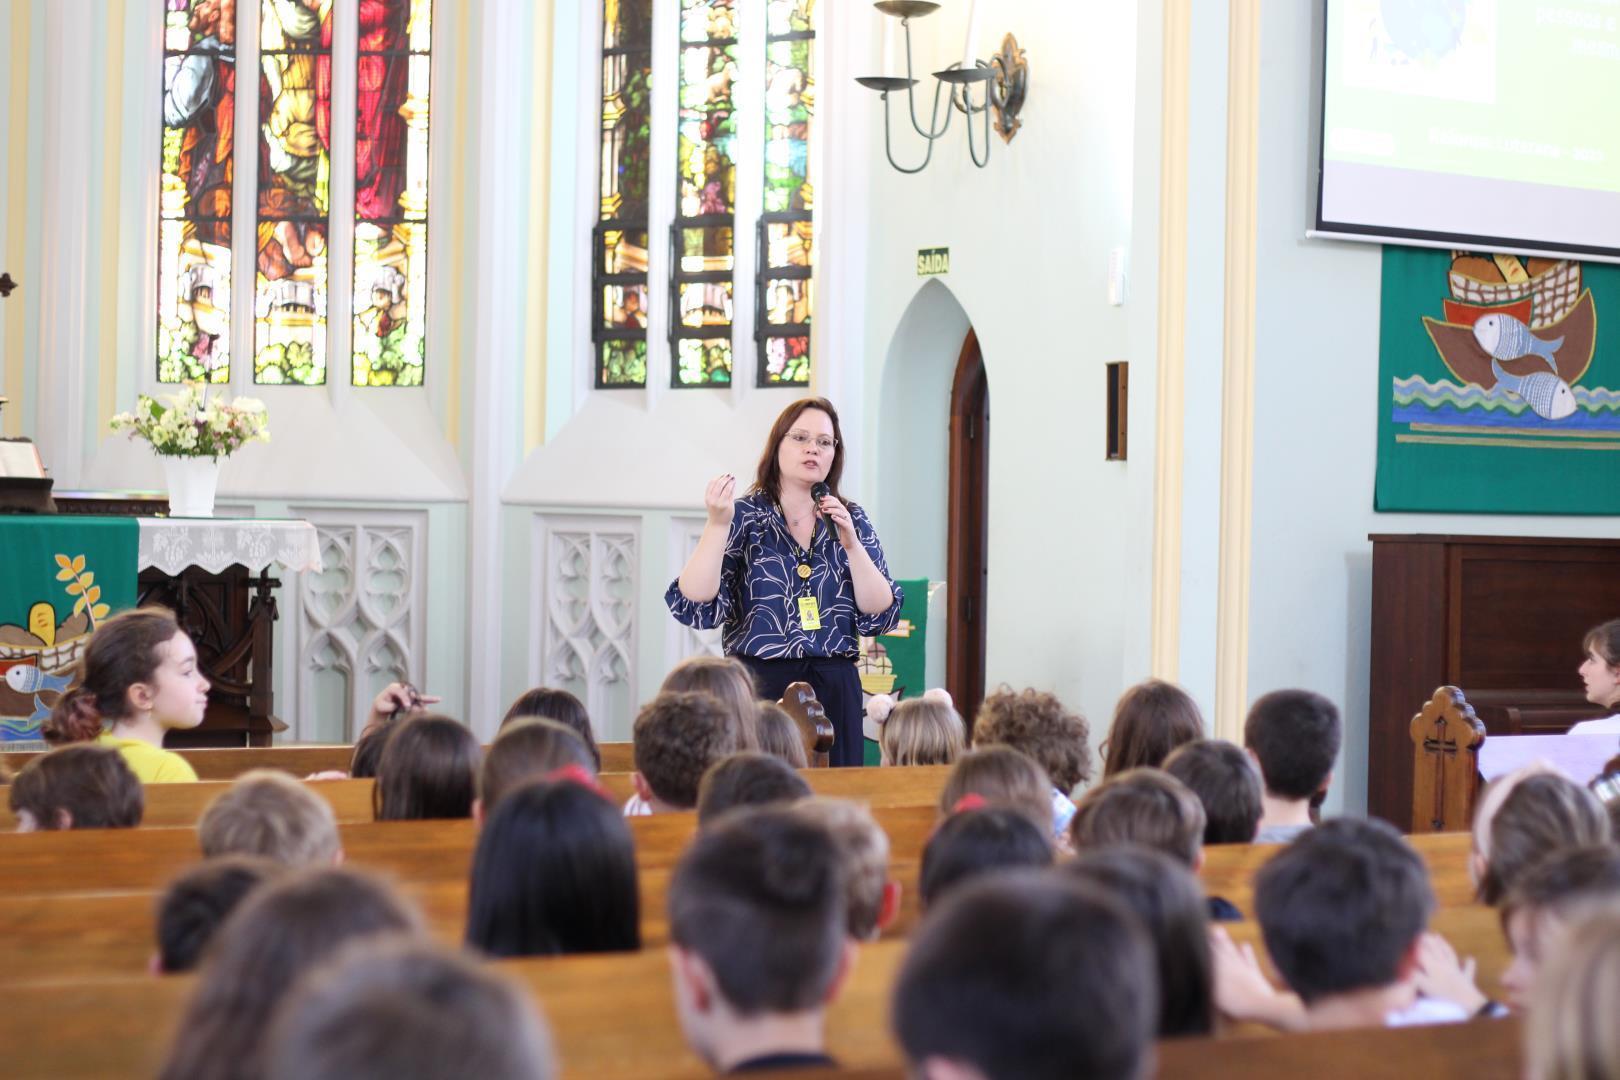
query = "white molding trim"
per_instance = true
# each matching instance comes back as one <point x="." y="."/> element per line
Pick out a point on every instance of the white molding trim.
<point x="584" y="621"/>
<point x="1237" y="396"/>
<point x="1172" y="344"/>
<point x="364" y="614"/>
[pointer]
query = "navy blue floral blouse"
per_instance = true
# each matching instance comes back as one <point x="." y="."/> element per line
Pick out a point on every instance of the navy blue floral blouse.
<point x="760" y="587"/>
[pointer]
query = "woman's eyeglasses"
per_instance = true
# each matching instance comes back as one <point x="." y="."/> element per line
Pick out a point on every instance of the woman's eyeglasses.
<point x="824" y="443"/>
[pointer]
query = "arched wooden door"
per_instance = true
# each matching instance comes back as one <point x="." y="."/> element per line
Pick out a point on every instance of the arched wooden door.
<point x="969" y="526"/>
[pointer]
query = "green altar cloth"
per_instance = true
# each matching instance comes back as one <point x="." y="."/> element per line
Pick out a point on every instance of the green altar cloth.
<point x="60" y="576"/>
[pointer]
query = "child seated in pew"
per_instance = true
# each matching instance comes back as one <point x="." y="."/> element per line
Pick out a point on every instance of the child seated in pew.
<point x="976" y="841"/>
<point x="561" y="707"/>
<point x="407" y="1010"/>
<point x="779" y="735"/>
<point x="428" y="769"/>
<point x="676" y="738"/>
<point x="1227" y="785"/>
<point x="138" y="678"/>
<point x="1294" y="737"/>
<point x="1538" y="911"/>
<point x="1167" y="898"/>
<point x="863" y="848"/>
<point x="281" y="931"/>
<point x="1525" y="817"/>
<point x="924" y="730"/>
<point x="196" y="904"/>
<point x="266" y="812"/>
<point x="1027" y="975"/>
<point x="554" y="872"/>
<point x="1151" y="719"/>
<point x="1037" y="723"/>
<point x="749" y="778"/>
<point x="393" y="703"/>
<point x="524" y="751"/>
<point x="1570" y="1034"/>
<point x="730" y="683"/>
<point x="759" y="942"/>
<point x="1000" y="776"/>
<point x="1151" y="808"/>
<point x="77" y="787"/>
<point x="1343" y="911"/>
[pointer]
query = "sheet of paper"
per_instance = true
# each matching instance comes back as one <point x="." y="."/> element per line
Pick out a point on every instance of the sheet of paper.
<point x="18" y="458"/>
<point x="1579" y="756"/>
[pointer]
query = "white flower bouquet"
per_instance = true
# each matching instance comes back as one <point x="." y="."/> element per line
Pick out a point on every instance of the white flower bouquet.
<point x="190" y="425"/>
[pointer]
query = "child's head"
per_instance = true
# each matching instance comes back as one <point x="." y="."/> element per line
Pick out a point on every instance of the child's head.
<point x="1342" y="909"/>
<point x="1027" y="975"/>
<point x="368" y="750"/>
<point x="268" y="813"/>
<point x="1571" y="1031"/>
<point x="1151" y="719"/>
<point x="559" y="706"/>
<point x="757" y="925"/>
<point x="779" y="735"/>
<point x="554" y="872"/>
<point x="1148" y="807"/>
<point x="676" y="738"/>
<point x="923" y="731"/>
<point x="1001" y="776"/>
<point x="198" y="902"/>
<point x="1294" y="735"/>
<point x="1601" y="669"/>
<point x="1538" y="911"/>
<point x="1037" y="723"/>
<point x="528" y="750"/>
<point x="972" y="843"/>
<point x="428" y="769"/>
<point x="408" y="1010"/>
<point x="749" y="778"/>
<point x="77" y="787"/>
<point x="279" y="932"/>
<point x="137" y="664"/>
<point x="1227" y="784"/>
<point x="1542" y="814"/>
<point x="1167" y="898"/>
<point x="863" y="847"/>
<point x="730" y="683"/>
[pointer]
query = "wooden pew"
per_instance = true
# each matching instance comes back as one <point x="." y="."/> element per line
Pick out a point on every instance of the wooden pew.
<point x="1229" y="869"/>
<point x="170" y="805"/>
<point x="300" y="759"/>
<point x="614" y="1016"/>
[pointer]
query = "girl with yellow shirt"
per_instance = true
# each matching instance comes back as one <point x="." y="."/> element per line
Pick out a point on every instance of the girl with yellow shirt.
<point x="139" y="678"/>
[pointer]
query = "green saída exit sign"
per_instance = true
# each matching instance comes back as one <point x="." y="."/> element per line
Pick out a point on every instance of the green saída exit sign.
<point x="933" y="261"/>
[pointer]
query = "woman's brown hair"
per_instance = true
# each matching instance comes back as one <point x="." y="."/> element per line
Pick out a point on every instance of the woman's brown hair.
<point x="429" y="769"/>
<point x="1151" y="719"/>
<point x="730" y="683"/>
<point x="91" y="785"/>
<point x="768" y="477"/>
<point x="282" y="930"/>
<point x="1545" y="813"/>
<point x="121" y="652"/>
<point x="1603" y="641"/>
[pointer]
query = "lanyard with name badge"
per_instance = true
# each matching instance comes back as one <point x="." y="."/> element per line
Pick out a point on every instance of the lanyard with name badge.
<point x="809" y="610"/>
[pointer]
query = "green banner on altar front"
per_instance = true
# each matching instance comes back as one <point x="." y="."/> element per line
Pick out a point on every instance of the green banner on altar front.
<point x="59" y="577"/>
<point x="895" y="663"/>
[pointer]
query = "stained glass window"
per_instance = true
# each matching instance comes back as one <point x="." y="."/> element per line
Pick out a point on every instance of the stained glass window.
<point x="391" y="191"/>
<point x="619" y="243"/>
<point x="706" y="195"/>
<point x="295" y="183"/>
<point x="194" y="193"/>
<point x="783" y="295"/>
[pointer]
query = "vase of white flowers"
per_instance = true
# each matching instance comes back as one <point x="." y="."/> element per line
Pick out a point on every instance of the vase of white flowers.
<point x="190" y="434"/>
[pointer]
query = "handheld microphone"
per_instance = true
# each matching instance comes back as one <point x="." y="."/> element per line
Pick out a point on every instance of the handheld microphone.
<point x="818" y="491"/>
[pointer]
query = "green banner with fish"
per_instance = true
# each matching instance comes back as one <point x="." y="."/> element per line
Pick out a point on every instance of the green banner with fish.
<point x="1499" y="384"/>
<point x="60" y="577"/>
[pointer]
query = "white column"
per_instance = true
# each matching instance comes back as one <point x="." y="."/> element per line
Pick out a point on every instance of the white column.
<point x="63" y="288"/>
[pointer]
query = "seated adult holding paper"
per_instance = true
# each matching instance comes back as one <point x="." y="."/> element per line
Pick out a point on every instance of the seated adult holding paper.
<point x="1601" y="673"/>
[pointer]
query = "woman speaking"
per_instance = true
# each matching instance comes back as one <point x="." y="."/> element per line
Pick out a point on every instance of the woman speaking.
<point x="793" y="573"/>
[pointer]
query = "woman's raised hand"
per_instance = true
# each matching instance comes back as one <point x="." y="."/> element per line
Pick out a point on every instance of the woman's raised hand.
<point x="718" y="499"/>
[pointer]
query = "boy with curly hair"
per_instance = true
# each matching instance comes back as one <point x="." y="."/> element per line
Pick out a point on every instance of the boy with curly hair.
<point x="1038" y="724"/>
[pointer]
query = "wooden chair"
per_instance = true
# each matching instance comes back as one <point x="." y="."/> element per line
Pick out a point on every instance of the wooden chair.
<point x="1446" y="737"/>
